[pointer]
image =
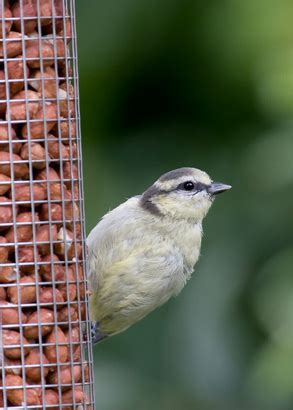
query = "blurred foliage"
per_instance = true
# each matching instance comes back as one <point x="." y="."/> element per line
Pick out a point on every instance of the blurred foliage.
<point x="209" y="84"/>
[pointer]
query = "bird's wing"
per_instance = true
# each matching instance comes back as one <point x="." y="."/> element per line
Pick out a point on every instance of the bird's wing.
<point x="112" y="239"/>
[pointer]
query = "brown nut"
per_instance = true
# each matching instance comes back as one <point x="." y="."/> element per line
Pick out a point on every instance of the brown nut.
<point x="52" y="183"/>
<point x="7" y="274"/>
<point x="23" y="192"/>
<point x="24" y="105"/>
<point x="16" y="146"/>
<point x="77" y="354"/>
<point x="56" y="149"/>
<point x="38" y="129"/>
<point x="12" y="366"/>
<point x="67" y="315"/>
<point x="24" y="228"/>
<point x="9" y="314"/>
<point x="57" y="349"/>
<point x="49" y="9"/>
<point x="3" y="250"/>
<point x="12" y="342"/>
<point x="20" y="169"/>
<point x="66" y="104"/>
<point x="44" y="318"/>
<point x="70" y="171"/>
<point x="69" y="289"/>
<point x="13" y="45"/>
<point x="66" y="376"/>
<point x="47" y="79"/>
<point x="29" y="9"/>
<point x="37" y="152"/>
<point x="4" y="132"/>
<point x="50" y="296"/>
<point x="65" y="130"/>
<point x="35" y="357"/>
<point x="2" y="86"/>
<point x="45" y="234"/>
<point x="72" y="211"/>
<point x="51" y="212"/>
<point x="28" y="255"/>
<point x="8" y="23"/>
<point x="51" y="398"/>
<point x="36" y="53"/>
<point x="71" y="396"/>
<point x="28" y="294"/>
<point x="65" y="243"/>
<point x="49" y="274"/>
<point x="2" y="293"/>
<point x="6" y="213"/>
<point x="16" y="70"/>
<point x="16" y="396"/>
<point x="73" y="336"/>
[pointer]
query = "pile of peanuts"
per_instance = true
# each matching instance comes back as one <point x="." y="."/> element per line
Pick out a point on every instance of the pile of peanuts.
<point x="42" y="281"/>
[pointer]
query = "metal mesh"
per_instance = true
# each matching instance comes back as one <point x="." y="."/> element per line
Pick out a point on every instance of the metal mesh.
<point x="45" y="349"/>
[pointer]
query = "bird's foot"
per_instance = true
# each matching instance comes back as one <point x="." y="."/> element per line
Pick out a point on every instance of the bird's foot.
<point x="95" y="333"/>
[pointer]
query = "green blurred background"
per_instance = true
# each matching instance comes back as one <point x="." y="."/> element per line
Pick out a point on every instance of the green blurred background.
<point x="209" y="84"/>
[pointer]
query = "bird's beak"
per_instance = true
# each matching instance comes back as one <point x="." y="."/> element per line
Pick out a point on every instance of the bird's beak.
<point x="217" y="187"/>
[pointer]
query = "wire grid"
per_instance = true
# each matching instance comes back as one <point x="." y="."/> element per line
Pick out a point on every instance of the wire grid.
<point x="45" y="345"/>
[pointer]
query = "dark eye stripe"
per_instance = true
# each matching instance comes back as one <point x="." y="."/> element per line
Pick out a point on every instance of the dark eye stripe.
<point x="198" y="186"/>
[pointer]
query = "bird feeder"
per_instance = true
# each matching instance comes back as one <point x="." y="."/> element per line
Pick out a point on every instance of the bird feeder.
<point x="45" y="347"/>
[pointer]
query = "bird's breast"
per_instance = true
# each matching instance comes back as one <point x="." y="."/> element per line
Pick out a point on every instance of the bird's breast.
<point x="188" y="239"/>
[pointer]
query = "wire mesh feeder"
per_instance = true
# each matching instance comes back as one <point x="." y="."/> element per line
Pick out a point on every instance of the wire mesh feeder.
<point x="46" y="361"/>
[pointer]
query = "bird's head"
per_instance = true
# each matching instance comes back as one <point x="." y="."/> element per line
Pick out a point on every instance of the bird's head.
<point x="184" y="193"/>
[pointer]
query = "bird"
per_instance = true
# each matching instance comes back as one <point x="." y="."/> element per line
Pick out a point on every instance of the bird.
<point x="143" y="252"/>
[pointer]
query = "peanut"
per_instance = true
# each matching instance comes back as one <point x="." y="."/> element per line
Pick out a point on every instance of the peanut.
<point x="25" y="192"/>
<point x="48" y="79"/>
<point x="7" y="274"/>
<point x="43" y="317"/>
<point x="36" y="53"/>
<point x="52" y="183"/>
<point x="53" y="212"/>
<point x="2" y="293"/>
<point x="24" y="229"/>
<point x="69" y="289"/>
<point x="47" y="114"/>
<point x="48" y="296"/>
<point x="67" y="315"/>
<point x="13" y="44"/>
<point x="36" y="358"/>
<point x="6" y="213"/>
<point x="12" y="366"/>
<point x="66" y="376"/>
<point x="3" y="250"/>
<point x="28" y="255"/>
<point x="56" y="149"/>
<point x="27" y="291"/>
<point x="24" y="105"/>
<point x="8" y="23"/>
<point x="16" y="70"/>
<point x="45" y="234"/>
<point x="20" y="169"/>
<point x="37" y="153"/>
<point x="12" y="342"/>
<point x="29" y="9"/>
<point x="51" y="398"/>
<point x="57" y="349"/>
<point x="49" y="274"/>
<point x="75" y="396"/>
<point x="9" y="314"/>
<point x="16" y="396"/>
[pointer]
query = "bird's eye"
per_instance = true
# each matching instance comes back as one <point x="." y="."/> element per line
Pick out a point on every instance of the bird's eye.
<point x="188" y="186"/>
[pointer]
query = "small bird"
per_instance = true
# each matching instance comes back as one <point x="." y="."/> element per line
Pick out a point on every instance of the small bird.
<point x="143" y="252"/>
